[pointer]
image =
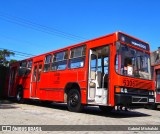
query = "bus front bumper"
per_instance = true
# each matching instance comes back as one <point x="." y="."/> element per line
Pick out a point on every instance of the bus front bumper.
<point x="133" y="100"/>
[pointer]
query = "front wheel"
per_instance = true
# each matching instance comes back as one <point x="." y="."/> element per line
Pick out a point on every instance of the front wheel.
<point x="74" y="101"/>
<point x="153" y="106"/>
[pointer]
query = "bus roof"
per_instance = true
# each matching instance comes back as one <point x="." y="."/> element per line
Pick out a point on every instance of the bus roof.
<point x="115" y="35"/>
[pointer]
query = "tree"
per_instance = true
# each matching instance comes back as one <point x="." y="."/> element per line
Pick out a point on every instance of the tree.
<point x="4" y="54"/>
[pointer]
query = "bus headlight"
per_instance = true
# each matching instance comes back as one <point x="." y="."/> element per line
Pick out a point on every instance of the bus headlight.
<point x="121" y="90"/>
<point x="151" y="93"/>
<point x="125" y="90"/>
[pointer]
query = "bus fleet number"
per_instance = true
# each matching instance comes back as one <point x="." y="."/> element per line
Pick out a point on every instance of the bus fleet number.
<point x="129" y="83"/>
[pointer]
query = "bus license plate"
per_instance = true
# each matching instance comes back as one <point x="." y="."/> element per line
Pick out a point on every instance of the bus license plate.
<point x="151" y="100"/>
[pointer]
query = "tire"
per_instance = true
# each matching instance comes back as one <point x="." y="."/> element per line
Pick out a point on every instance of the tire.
<point x="146" y="106"/>
<point x="106" y="109"/>
<point x="19" y="96"/>
<point x="154" y="106"/>
<point x="74" y="101"/>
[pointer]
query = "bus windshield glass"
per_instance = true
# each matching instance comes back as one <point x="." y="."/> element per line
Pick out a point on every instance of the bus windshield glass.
<point x="132" y="62"/>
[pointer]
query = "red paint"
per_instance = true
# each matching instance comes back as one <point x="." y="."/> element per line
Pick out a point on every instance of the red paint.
<point x="52" y="84"/>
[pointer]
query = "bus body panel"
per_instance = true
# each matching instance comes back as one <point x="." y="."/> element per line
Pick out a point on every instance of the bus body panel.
<point x="52" y="85"/>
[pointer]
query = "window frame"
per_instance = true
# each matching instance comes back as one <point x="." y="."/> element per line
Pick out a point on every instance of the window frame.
<point x="21" y="63"/>
<point x="84" y="46"/>
<point x="22" y="69"/>
<point x="56" y="63"/>
<point x="83" y="56"/>
<point x="29" y="61"/>
<point x="48" y="63"/>
<point x="118" y="72"/>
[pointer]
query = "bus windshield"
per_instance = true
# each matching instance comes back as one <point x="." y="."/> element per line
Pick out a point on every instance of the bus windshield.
<point x="132" y="62"/>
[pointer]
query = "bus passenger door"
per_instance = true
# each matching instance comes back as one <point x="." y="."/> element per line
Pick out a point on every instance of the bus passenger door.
<point x="92" y="76"/>
<point x="36" y="77"/>
<point x="98" y="75"/>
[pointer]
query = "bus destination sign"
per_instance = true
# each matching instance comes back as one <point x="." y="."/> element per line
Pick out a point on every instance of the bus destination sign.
<point x="132" y="41"/>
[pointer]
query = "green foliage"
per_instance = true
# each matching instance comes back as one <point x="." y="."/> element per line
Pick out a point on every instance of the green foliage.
<point x="4" y="54"/>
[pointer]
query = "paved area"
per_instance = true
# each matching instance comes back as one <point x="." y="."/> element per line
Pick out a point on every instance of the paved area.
<point x="34" y="113"/>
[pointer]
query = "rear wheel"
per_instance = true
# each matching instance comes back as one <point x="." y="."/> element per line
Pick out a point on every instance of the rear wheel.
<point x="19" y="96"/>
<point x="106" y="108"/>
<point x="74" y="101"/>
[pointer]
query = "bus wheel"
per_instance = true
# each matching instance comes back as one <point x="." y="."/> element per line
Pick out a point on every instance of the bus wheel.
<point x="19" y="96"/>
<point x="74" y="101"/>
<point x="106" y="108"/>
<point x="154" y="106"/>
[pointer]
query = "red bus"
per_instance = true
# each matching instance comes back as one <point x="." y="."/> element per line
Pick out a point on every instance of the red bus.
<point x="113" y="70"/>
<point x="155" y="58"/>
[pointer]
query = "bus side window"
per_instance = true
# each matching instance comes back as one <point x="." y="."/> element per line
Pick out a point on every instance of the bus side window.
<point x="77" y="57"/>
<point x="47" y="63"/>
<point x="29" y="66"/>
<point x="34" y="73"/>
<point x="59" y="61"/>
<point x="106" y="61"/>
<point x="22" y="68"/>
<point x="39" y="71"/>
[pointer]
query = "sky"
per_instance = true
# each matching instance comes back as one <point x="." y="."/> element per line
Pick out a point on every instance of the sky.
<point x="33" y="27"/>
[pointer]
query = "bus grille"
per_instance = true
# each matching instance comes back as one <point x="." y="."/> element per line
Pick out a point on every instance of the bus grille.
<point x="137" y="91"/>
<point x="136" y="99"/>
